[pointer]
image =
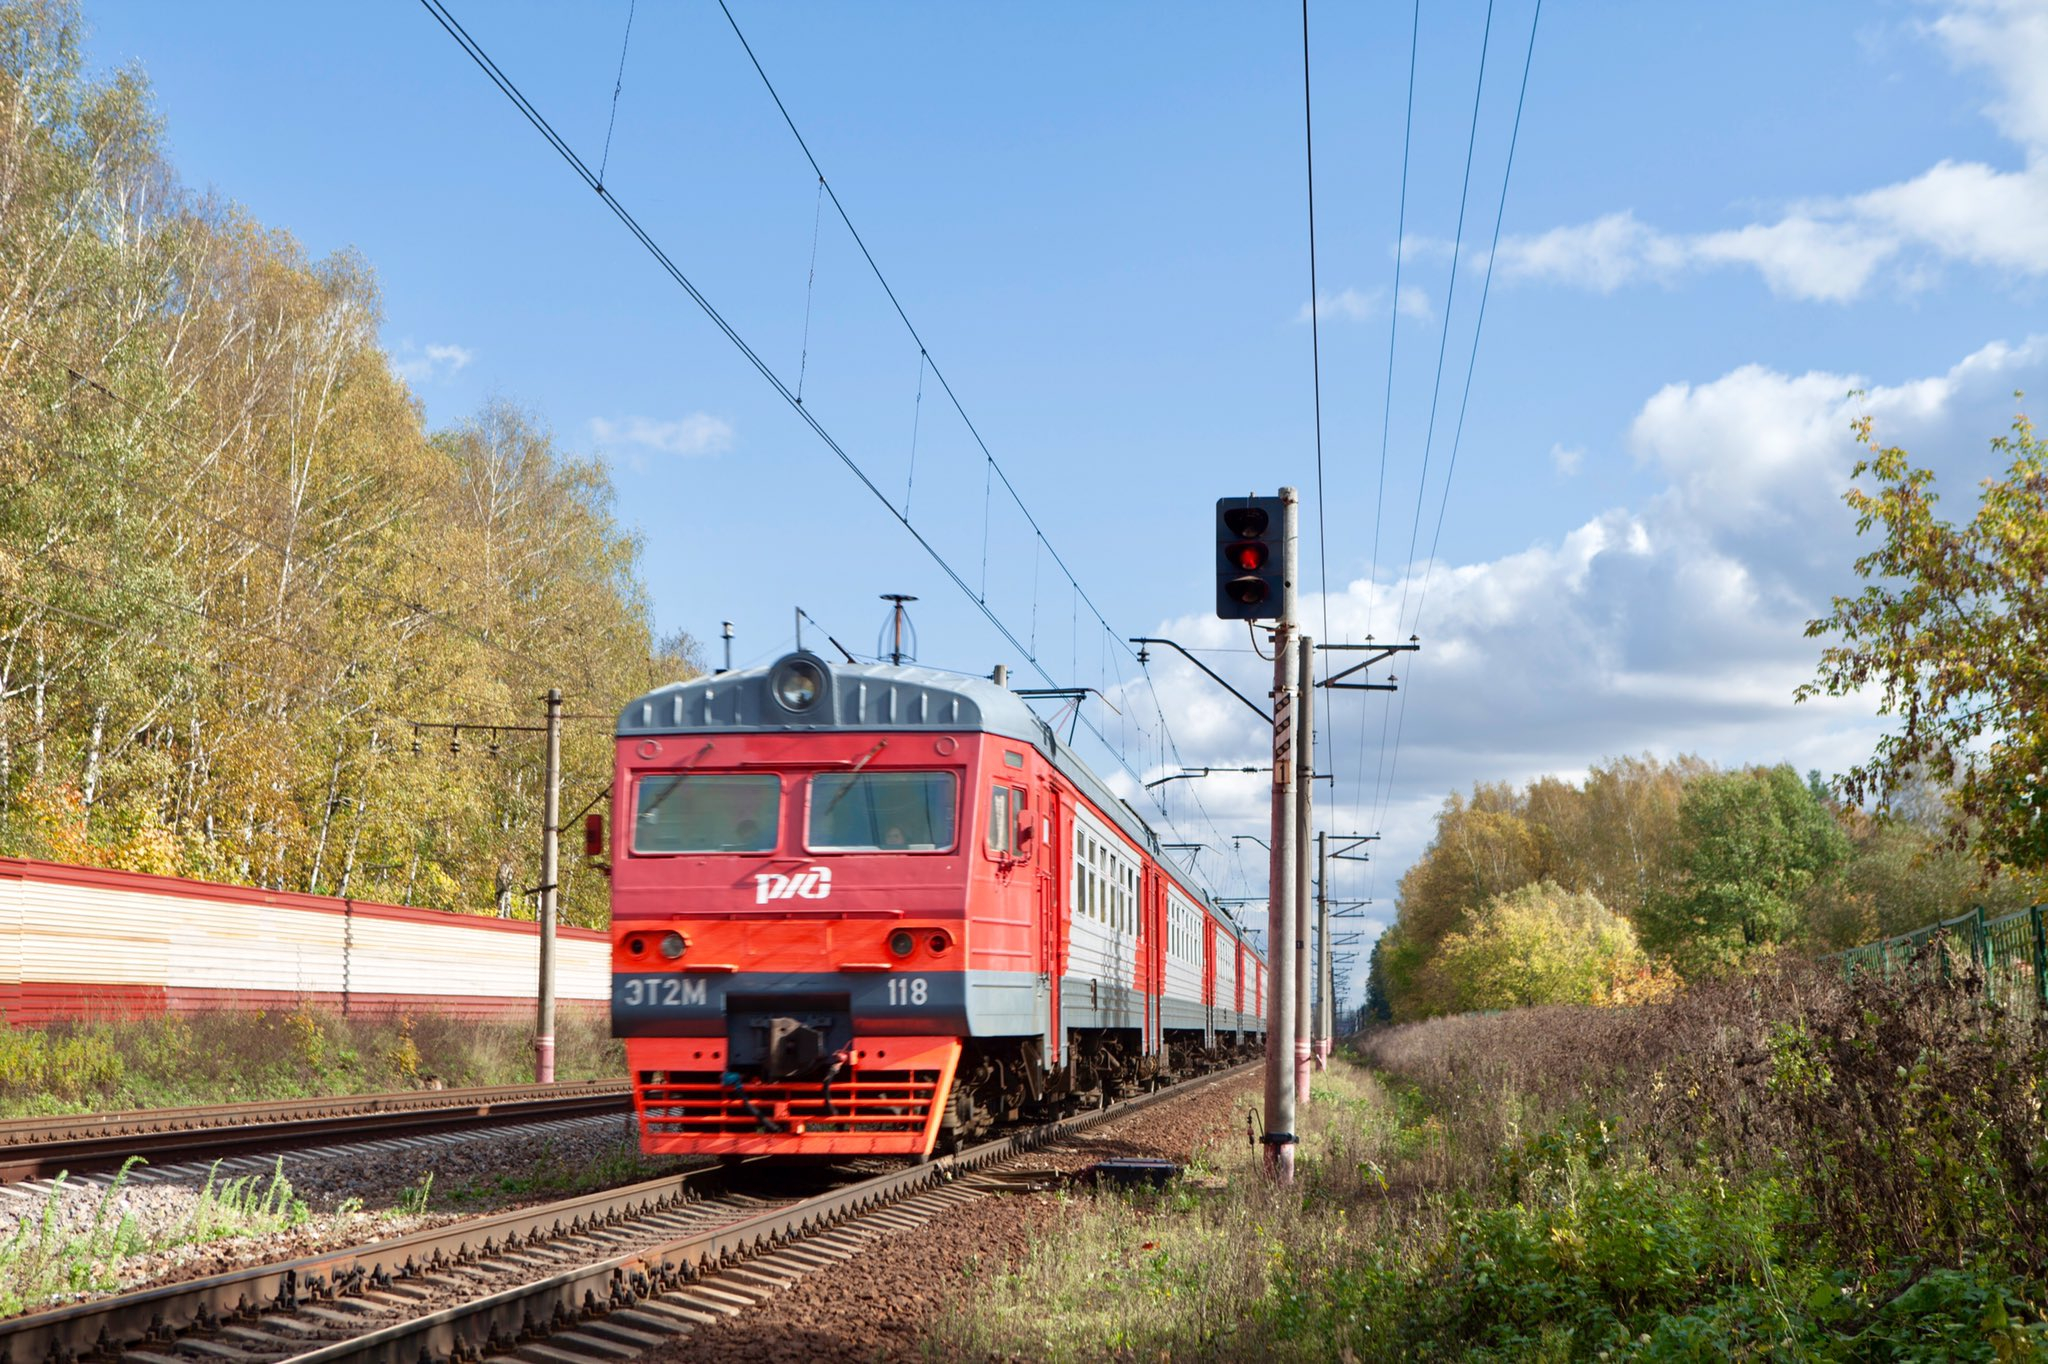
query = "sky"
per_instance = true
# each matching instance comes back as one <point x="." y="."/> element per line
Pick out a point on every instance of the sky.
<point x="1607" y="508"/>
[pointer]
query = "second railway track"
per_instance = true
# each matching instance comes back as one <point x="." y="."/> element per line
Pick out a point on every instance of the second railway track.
<point x="605" y="1273"/>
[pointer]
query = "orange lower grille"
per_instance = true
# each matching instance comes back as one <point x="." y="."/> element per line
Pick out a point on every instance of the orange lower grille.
<point x="866" y="1111"/>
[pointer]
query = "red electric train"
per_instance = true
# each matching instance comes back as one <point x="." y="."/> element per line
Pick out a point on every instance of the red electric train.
<point x="869" y="909"/>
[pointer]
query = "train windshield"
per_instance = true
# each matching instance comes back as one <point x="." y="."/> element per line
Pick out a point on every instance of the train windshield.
<point x="882" y="811"/>
<point x="706" y="812"/>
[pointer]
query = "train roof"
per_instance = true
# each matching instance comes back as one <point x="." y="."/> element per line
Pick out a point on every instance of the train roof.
<point x="884" y="697"/>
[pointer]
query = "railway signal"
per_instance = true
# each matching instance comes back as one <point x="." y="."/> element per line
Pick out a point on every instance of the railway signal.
<point x="1255" y="540"/>
<point x="1251" y="569"/>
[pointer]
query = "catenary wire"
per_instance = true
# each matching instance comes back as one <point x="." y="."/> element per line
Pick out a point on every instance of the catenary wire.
<point x="618" y="84"/>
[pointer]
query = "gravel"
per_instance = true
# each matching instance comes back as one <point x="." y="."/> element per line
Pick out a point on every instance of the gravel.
<point x="877" y="1307"/>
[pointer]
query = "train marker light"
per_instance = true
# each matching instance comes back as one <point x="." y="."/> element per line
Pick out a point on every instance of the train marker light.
<point x="901" y="943"/>
<point x="672" y="945"/>
<point x="1249" y="567"/>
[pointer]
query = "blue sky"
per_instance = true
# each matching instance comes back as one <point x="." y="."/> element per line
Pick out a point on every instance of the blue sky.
<point x="1720" y="221"/>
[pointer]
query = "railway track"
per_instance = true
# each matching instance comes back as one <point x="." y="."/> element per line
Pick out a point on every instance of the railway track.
<point x="601" y="1276"/>
<point x="32" y="1148"/>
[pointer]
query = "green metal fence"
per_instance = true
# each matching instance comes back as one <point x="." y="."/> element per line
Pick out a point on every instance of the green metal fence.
<point x="2011" y="950"/>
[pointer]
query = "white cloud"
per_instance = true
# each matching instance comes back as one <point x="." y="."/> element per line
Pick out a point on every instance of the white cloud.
<point x="1970" y="212"/>
<point x="1353" y="306"/>
<point x="1798" y="256"/>
<point x="1567" y="461"/>
<point x="2010" y="39"/>
<point x="419" y="365"/>
<point x="700" y="433"/>
<point x="1830" y="250"/>
<point x="1602" y="255"/>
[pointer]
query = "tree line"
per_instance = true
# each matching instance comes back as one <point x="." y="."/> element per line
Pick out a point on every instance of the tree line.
<point x="237" y="569"/>
<point x="1647" y="873"/>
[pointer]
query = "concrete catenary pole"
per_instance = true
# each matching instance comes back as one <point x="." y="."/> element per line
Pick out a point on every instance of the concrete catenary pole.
<point x="1325" y="971"/>
<point x="551" y="820"/>
<point x="1304" y="821"/>
<point x="1279" y="1136"/>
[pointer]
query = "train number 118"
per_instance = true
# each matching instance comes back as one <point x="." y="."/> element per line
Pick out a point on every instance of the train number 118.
<point x="907" y="990"/>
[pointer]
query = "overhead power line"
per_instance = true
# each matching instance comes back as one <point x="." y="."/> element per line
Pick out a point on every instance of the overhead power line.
<point x="1387" y="399"/>
<point x="1308" y="133"/>
<point x="1436" y="388"/>
<point x="1471" y="363"/>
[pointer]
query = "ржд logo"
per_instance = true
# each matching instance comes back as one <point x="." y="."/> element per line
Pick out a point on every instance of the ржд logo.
<point x="813" y="883"/>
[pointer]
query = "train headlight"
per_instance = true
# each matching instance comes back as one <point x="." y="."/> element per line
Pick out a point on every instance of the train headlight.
<point x="672" y="945"/>
<point x="797" y="683"/>
<point x="902" y="943"/>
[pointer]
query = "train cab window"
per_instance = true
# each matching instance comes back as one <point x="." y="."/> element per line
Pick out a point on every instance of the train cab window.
<point x="882" y="812"/>
<point x="1002" y="825"/>
<point x="701" y="812"/>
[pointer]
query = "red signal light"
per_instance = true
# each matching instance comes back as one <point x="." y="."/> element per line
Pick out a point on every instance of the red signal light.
<point x="1248" y="557"/>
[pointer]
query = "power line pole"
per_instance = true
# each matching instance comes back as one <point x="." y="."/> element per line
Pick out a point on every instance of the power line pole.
<point x="1280" y="907"/>
<point x="1326" y="975"/>
<point x="1323" y="974"/>
<point x="1304" y="820"/>
<point x="551" y="822"/>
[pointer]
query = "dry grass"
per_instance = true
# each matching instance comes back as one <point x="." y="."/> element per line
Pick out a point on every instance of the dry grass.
<point x="1785" y="1166"/>
<point x="1178" y="1274"/>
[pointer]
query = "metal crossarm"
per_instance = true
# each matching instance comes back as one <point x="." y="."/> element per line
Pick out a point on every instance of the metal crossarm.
<point x="1380" y="654"/>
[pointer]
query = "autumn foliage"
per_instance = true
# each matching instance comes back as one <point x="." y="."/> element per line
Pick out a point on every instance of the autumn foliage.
<point x="235" y="565"/>
<point x="1614" y="889"/>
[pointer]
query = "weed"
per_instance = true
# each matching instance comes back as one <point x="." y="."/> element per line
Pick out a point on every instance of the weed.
<point x="44" y="1261"/>
<point x="243" y="1206"/>
<point x="412" y="1201"/>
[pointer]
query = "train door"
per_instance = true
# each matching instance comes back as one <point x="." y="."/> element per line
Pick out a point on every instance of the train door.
<point x="1152" y="918"/>
<point x="1208" y="981"/>
<point x="1056" y="830"/>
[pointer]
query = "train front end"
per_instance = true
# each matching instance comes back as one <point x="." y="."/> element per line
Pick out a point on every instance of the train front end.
<point x="790" y="853"/>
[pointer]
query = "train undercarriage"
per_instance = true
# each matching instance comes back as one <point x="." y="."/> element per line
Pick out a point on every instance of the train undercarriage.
<point x="896" y="1095"/>
<point x="1005" y="1080"/>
